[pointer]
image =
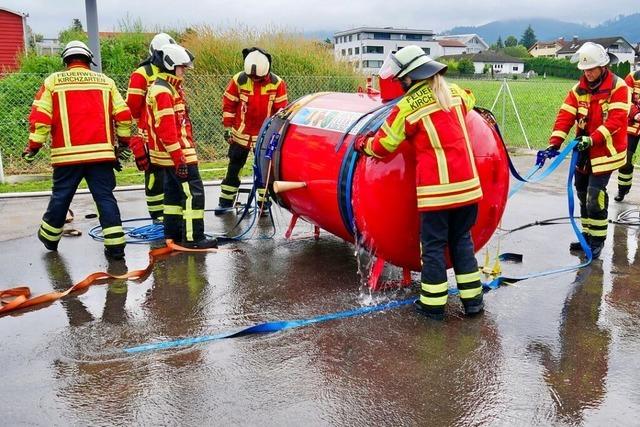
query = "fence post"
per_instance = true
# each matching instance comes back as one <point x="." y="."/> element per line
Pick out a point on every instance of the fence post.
<point x="1" y="169"/>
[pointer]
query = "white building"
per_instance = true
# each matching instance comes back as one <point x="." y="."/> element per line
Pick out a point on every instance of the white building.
<point x="449" y="47"/>
<point x="367" y="47"/>
<point x="495" y="63"/>
<point x="616" y="45"/>
<point x="473" y="42"/>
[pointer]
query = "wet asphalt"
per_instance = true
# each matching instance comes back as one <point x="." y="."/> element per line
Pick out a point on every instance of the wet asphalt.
<point x="555" y="350"/>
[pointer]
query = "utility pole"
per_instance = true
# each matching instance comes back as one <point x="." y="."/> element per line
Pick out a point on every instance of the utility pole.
<point x="92" y="29"/>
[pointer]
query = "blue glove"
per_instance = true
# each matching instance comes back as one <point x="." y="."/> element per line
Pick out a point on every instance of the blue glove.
<point x="548" y="153"/>
<point x="584" y="142"/>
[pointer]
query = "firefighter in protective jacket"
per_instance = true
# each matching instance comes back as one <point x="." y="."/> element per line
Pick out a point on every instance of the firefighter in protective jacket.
<point x="78" y="109"/>
<point x="431" y="117"/>
<point x="599" y="106"/>
<point x="139" y="83"/>
<point x="625" y="174"/>
<point x="171" y="147"/>
<point x="251" y="96"/>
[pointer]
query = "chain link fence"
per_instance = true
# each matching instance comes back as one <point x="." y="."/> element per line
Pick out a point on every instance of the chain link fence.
<point x="524" y="109"/>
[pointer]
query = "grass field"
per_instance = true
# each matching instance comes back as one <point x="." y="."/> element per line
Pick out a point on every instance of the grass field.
<point x="537" y="102"/>
<point x="129" y="176"/>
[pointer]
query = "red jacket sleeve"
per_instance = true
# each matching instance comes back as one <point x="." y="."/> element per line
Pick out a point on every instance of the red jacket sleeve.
<point x="136" y="93"/>
<point x="281" y="96"/>
<point x="230" y="101"/>
<point x="40" y="118"/>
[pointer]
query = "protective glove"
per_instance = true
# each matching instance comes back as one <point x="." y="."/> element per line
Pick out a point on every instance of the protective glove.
<point x="140" y="152"/>
<point x="550" y="152"/>
<point x="637" y="117"/>
<point x="182" y="172"/>
<point x="117" y="166"/>
<point x="584" y="142"/>
<point x="123" y="152"/>
<point x="29" y="154"/>
<point x="226" y="134"/>
<point x="361" y="142"/>
<point x="180" y="164"/>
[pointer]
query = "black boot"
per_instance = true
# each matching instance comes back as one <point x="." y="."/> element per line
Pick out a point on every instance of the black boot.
<point x="431" y="312"/>
<point x="620" y="196"/>
<point x="205" y="243"/>
<point x="52" y="246"/>
<point x="596" y="248"/>
<point x="473" y="306"/>
<point x="114" y="252"/>
<point x="577" y="246"/>
<point x="223" y="208"/>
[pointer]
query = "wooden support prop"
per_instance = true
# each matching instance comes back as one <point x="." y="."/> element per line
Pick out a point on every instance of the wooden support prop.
<point x="282" y="186"/>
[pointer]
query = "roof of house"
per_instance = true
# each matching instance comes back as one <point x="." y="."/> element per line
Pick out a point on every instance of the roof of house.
<point x="464" y="38"/>
<point x="485" y="56"/>
<point x="24" y="15"/>
<point x="571" y="46"/>
<point x="451" y="43"/>
<point x="383" y="30"/>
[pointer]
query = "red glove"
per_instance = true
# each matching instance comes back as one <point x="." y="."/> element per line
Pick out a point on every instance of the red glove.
<point x="361" y="142"/>
<point x="180" y="163"/>
<point x="140" y="152"/>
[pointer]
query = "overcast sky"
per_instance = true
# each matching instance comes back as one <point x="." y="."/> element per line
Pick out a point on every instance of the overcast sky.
<point x="48" y="17"/>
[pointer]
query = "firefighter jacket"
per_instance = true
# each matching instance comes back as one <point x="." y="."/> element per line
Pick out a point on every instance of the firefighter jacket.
<point x="78" y="108"/>
<point x="633" y="81"/>
<point x="168" y="125"/>
<point x="139" y="83"/>
<point x="446" y="174"/>
<point x="601" y="114"/>
<point x="247" y="103"/>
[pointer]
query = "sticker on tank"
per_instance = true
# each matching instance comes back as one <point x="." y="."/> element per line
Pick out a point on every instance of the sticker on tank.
<point x="334" y="120"/>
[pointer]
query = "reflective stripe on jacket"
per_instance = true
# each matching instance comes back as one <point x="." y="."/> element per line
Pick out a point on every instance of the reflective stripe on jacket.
<point x="633" y="81"/>
<point x="247" y="103"/>
<point x="139" y="83"/>
<point x="601" y="114"/>
<point x="168" y="124"/>
<point x="77" y="108"/>
<point x="446" y="174"/>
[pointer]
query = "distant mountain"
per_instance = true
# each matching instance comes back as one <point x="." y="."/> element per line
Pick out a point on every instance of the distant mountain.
<point x="549" y="29"/>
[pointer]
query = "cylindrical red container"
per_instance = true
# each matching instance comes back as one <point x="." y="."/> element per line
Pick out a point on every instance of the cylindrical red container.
<point x="346" y="192"/>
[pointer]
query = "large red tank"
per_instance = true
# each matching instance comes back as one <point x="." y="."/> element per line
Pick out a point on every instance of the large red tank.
<point x="347" y="193"/>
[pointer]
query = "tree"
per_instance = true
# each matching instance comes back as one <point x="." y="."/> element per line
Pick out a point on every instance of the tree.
<point x="528" y="38"/>
<point x="518" y="51"/>
<point x="73" y="32"/>
<point x="465" y="66"/>
<point x="499" y="44"/>
<point x="76" y="25"/>
<point x="510" y="41"/>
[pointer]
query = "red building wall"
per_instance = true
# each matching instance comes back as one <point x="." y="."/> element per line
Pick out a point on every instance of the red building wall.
<point x="11" y="40"/>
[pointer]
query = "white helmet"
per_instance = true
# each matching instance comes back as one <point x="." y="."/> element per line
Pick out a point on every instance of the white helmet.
<point x="256" y="62"/>
<point x="592" y="55"/>
<point x="160" y="40"/>
<point x="173" y="55"/>
<point x="76" y="47"/>
<point x="410" y="61"/>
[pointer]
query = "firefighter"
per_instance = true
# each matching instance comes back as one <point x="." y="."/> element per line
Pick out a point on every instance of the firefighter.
<point x="251" y="96"/>
<point x="78" y="108"/>
<point x="431" y="118"/>
<point x="139" y="82"/>
<point x="598" y="105"/>
<point x="625" y="174"/>
<point x="171" y="147"/>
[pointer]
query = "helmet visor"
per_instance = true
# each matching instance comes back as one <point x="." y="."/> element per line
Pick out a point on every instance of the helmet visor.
<point x="390" y="67"/>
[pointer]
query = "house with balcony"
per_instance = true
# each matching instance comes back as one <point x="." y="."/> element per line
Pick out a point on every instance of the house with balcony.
<point x="473" y="42"/>
<point x="547" y="49"/>
<point x="616" y="45"/>
<point x="367" y="47"/>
